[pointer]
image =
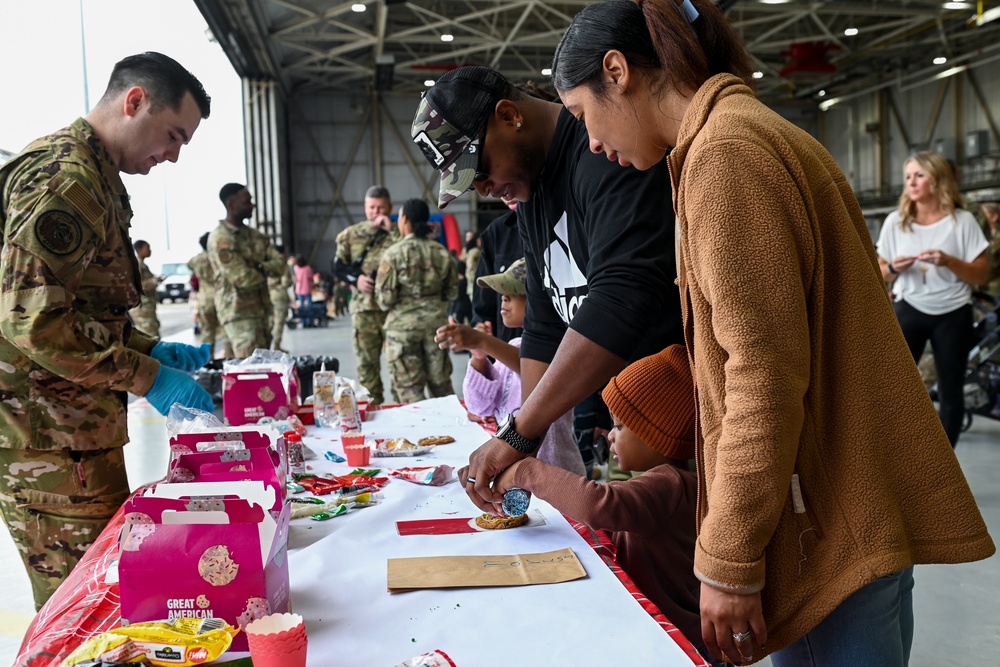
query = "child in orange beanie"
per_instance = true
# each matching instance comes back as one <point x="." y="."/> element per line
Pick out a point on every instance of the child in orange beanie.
<point x="651" y="517"/>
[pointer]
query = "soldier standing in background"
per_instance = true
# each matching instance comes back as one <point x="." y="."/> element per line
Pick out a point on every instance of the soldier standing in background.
<point x="68" y="352"/>
<point x="361" y="246"/>
<point x="281" y="300"/>
<point x="242" y="259"/>
<point x="208" y="319"/>
<point x="144" y="315"/>
<point x="417" y="279"/>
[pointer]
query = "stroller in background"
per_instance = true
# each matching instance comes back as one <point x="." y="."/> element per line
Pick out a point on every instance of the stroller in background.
<point x="982" y="379"/>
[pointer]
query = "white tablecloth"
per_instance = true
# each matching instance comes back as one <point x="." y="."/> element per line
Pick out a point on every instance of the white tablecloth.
<point x="338" y="574"/>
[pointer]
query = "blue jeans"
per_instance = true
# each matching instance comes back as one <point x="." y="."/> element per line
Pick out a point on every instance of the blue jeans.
<point x="874" y="626"/>
<point x="305" y="301"/>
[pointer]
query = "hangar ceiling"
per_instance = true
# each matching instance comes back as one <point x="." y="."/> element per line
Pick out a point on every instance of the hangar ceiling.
<point x="800" y="46"/>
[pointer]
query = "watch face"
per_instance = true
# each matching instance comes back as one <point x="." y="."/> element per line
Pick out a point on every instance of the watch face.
<point x="505" y="425"/>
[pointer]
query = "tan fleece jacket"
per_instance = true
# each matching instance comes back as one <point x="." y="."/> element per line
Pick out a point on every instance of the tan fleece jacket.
<point x="800" y="370"/>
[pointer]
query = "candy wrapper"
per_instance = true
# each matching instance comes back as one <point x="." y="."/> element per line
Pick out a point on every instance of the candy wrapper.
<point x="429" y="475"/>
<point x="366" y="499"/>
<point x="436" y="658"/>
<point x="189" y="641"/>
<point x="343" y="484"/>
<point x="397" y="447"/>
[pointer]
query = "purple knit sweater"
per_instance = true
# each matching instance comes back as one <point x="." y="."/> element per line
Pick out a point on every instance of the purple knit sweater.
<point x="498" y="394"/>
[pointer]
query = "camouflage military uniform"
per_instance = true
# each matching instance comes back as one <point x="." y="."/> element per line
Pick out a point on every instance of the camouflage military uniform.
<point x="471" y="262"/>
<point x="280" y="302"/>
<point x="144" y="316"/>
<point x="367" y="319"/>
<point x="242" y="259"/>
<point x="68" y="353"/>
<point x="417" y="279"/>
<point x="208" y="319"/>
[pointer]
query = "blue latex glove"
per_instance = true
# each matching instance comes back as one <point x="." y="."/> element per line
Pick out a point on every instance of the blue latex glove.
<point x="181" y="356"/>
<point x="172" y="386"/>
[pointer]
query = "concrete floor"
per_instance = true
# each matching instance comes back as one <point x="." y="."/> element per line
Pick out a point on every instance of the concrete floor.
<point x="956" y="606"/>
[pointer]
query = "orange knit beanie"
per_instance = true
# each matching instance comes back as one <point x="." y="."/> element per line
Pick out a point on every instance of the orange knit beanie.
<point x="654" y="398"/>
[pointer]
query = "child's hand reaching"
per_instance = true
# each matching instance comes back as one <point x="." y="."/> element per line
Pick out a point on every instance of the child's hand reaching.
<point x="458" y="337"/>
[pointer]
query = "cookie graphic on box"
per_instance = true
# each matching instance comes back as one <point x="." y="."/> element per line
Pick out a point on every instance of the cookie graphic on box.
<point x="257" y="607"/>
<point x="138" y="526"/>
<point x="216" y="567"/>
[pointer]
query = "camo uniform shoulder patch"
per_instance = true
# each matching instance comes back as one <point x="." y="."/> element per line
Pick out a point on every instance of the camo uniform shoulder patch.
<point x="58" y="232"/>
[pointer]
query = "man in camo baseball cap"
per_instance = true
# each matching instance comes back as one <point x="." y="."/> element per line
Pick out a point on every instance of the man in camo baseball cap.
<point x="449" y="123"/>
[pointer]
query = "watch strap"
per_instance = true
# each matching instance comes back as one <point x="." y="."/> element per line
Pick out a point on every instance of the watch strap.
<point x="508" y="433"/>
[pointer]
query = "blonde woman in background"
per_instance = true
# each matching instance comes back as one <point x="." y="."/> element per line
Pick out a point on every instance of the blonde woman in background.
<point x="933" y="251"/>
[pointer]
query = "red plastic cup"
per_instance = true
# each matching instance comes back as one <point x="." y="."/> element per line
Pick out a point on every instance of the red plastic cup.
<point x="278" y="640"/>
<point x="363" y="410"/>
<point x="355" y="449"/>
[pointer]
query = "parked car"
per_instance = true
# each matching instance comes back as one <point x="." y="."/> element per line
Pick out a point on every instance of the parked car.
<point x="176" y="282"/>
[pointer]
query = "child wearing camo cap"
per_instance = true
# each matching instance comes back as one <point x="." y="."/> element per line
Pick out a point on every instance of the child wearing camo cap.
<point x="494" y="389"/>
<point x="651" y="517"/>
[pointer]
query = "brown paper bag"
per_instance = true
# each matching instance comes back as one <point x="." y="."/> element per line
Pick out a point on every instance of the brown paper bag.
<point x="454" y="571"/>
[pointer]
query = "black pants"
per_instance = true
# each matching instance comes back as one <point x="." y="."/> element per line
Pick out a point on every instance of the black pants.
<point x="950" y="335"/>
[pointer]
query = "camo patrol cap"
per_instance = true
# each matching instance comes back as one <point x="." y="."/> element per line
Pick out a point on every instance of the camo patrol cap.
<point x="449" y="121"/>
<point x="510" y="282"/>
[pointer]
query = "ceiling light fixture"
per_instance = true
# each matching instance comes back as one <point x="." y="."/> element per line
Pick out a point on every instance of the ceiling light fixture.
<point x="447" y="37"/>
<point x="988" y="15"/>
<point x="758" y="75"/>
<point x="851" y="32"/>
<point x="774" y="2"/>
<point x="821" y="93"/>
<point x="958" y="5"/>
<point x="358" y="7"/>
<point x="828" y="103"/>
<point x="429" y="82"/>
<point x="940" y="60"/>
<point x="547" y="71"/>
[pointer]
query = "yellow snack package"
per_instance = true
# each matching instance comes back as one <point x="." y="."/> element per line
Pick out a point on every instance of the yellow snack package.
<point x="183" y="641"/>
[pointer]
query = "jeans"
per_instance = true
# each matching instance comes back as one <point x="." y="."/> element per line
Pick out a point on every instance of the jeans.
<point x="950" y="335"/>
<point x="305" y="301"/>
<point x="873" y="627"/>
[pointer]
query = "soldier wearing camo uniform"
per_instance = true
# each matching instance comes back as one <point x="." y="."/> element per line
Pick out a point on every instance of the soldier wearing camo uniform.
<point x="281" y="301"/>
<point x="417" y="279"/>
<point x="144" y="315"/>
<point x="243" y="259"/>
<point x="208" y="319"/>
<point x="369" y="238"/>
<point x="68" y="277"/>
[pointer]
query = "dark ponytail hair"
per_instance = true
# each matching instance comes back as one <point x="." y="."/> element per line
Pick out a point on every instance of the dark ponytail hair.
<point x="651" y="34"/>
<point x="418" y="213"/>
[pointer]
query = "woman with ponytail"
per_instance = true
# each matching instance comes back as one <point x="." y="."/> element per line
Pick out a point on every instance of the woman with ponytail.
<point x="824" y="472"/>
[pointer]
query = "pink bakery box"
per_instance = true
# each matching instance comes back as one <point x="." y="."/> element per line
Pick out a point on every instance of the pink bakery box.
<point x="204" y="551"/>
<point x="255" y="392"/>
<point x="264" y="458"/>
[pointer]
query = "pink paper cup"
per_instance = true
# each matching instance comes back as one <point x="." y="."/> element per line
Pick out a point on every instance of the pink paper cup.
<point x="358" y="455"/>
<point x="278" y="640"/>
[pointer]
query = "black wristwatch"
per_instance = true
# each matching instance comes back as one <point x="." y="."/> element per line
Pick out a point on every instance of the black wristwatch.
<point x="508" y="434"/>
<point x="891" y="270"/>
